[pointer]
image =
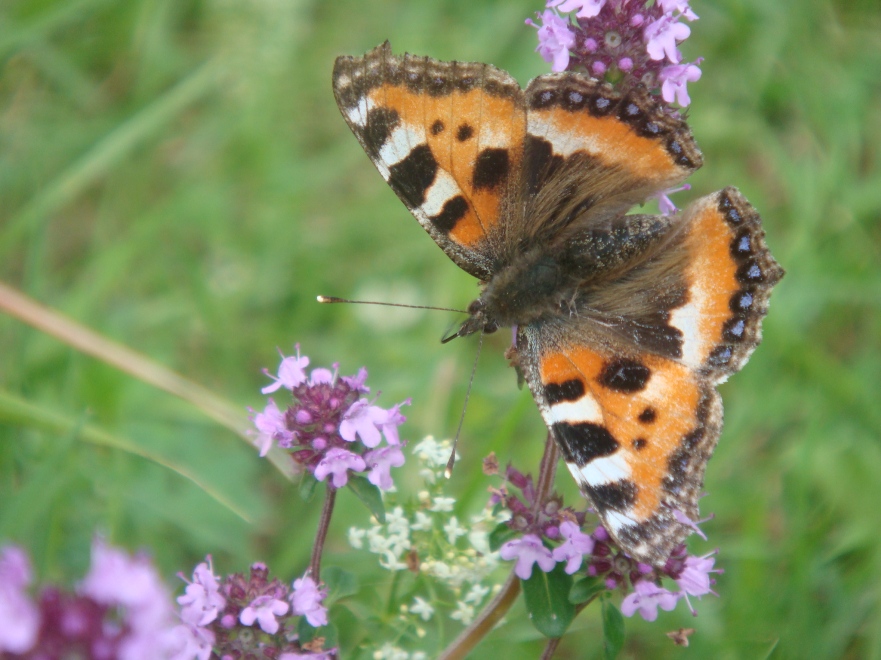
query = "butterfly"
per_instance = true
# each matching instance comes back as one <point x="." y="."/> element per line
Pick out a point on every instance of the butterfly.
<point x="625" y="323"/>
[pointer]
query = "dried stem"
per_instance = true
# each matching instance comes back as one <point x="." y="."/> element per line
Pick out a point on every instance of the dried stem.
<point x="321" y="533"/>
<point x="499" y="606"/>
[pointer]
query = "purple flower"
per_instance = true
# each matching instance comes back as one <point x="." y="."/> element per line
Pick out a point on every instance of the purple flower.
<point x="202" y="600"/>
<point x="325" y="419"/>
<point x="357" y="382"/>
<point x="290" y="373"/>
<point x="673" y="80"/>
<point x="647" y="597"/>
<point x="667" y="207"/>
<point x="321" y="376"/>
<point x="362" y="418"/>
<point x="271" y="427"/>
<point x="306" y="601"/>
<point x="19" y="617"/>
<point x="115" y="579"/>
<point x="528" y="550"/>
<point x="187" y="642"/>
<point x="263" y="610"/>
<point x="555" y="39"/>
<point x="586" y="8"/>
<point x="576" y="545"/>
<point x="695" y="580"/>
<point x="381" y="461"/>
<point x="669" y="6"/>
<point x="661" y="37"/>
<point x="338" y="461"/>
<point x="392" y="420"/>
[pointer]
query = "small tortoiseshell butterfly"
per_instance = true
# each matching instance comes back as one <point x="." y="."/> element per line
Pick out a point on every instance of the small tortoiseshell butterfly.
<point x="625" y="323"/>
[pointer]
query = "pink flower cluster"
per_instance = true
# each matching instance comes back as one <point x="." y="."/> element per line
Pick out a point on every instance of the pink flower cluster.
<point x="215" y="611"/>
<point x="551" y="534"/>
<point x="625" y="42"/>
<point x="120" y="610"/>
<point x="325" y="422"/>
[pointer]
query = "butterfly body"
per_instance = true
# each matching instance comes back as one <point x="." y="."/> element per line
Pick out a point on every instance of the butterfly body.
<point x="625" y="323"/>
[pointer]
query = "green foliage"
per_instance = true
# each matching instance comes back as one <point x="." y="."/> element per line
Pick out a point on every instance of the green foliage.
<point x="370" y="496"/>
<point x="613" y="630"/>
<point x="547" y="600"/>
<point x="174" y="174"/>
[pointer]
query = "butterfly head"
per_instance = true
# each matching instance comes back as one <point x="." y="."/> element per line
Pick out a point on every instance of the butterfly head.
<point x="478" y="321"/>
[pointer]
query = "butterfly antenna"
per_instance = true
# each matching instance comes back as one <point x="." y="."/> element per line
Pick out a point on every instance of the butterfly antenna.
<point x="334" y="299"/>
<point x="448" y="472"/>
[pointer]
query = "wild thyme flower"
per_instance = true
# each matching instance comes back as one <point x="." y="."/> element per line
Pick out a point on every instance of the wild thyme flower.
<point x="19" y="617"/>
<point x="551" y="533"/>
<point x="306" y="600"/>
<point x="330" y="429"/>
<point x="239" y="617"/>
<point x="623" y="42"/>
<point x="647" y="597"/>
<point x="528" y="550"/>
<point x="121" y="610"/>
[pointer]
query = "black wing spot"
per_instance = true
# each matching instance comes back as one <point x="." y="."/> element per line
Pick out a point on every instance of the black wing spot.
<point x="619" y="495"/>
<point x="378" y="129"/>
<point x="570" y="390"/>
<point x="584" y="441"/>
<point x="465" y="132"/>
<point x="454" y="210"/>
<point x="437" y="127"/>
<point x="648" y="416"/>
<point x="491" y="168"/>
<point x="413" y="176"/>
<point x="625" y="375"/>
<point x="639" y="444"/>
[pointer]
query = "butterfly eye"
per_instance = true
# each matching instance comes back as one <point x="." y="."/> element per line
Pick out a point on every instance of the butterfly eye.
<point x="490" y="328"/>
<point x="475" y="307"/>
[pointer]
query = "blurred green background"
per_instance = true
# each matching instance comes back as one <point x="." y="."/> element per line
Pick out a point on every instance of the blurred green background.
<point x="175" y="175"/>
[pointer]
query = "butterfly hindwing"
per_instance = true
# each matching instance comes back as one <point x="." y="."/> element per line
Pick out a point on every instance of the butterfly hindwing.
<point x="636" y="432"/>
<point x="628" y="388"/>
<point x="730" y="273"/>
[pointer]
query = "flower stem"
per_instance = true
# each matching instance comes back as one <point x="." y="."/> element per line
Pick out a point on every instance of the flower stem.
<point x="500" y="605"/>
<point x="321" y="533"/>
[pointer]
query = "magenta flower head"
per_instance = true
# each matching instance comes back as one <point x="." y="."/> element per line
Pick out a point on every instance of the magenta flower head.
<point x="236" y="616"/>
<point x="121" y="610"/>
<point x="330" y="428"/>
<point x="623" y="42"/>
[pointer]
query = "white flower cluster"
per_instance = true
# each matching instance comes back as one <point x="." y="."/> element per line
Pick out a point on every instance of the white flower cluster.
<point x="456" y="554"/>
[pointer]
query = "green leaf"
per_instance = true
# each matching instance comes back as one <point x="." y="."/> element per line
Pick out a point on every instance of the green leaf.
<point x="308" y="486"/>
<point x="613" y="630"/>
<point x="547" y="600"/>
<point x="586" y="589"/>
<point x="306" y="633"/>
<point x="340" y="583"/>
<point x="500" y="534"/>
<point x="369" y="494"/>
